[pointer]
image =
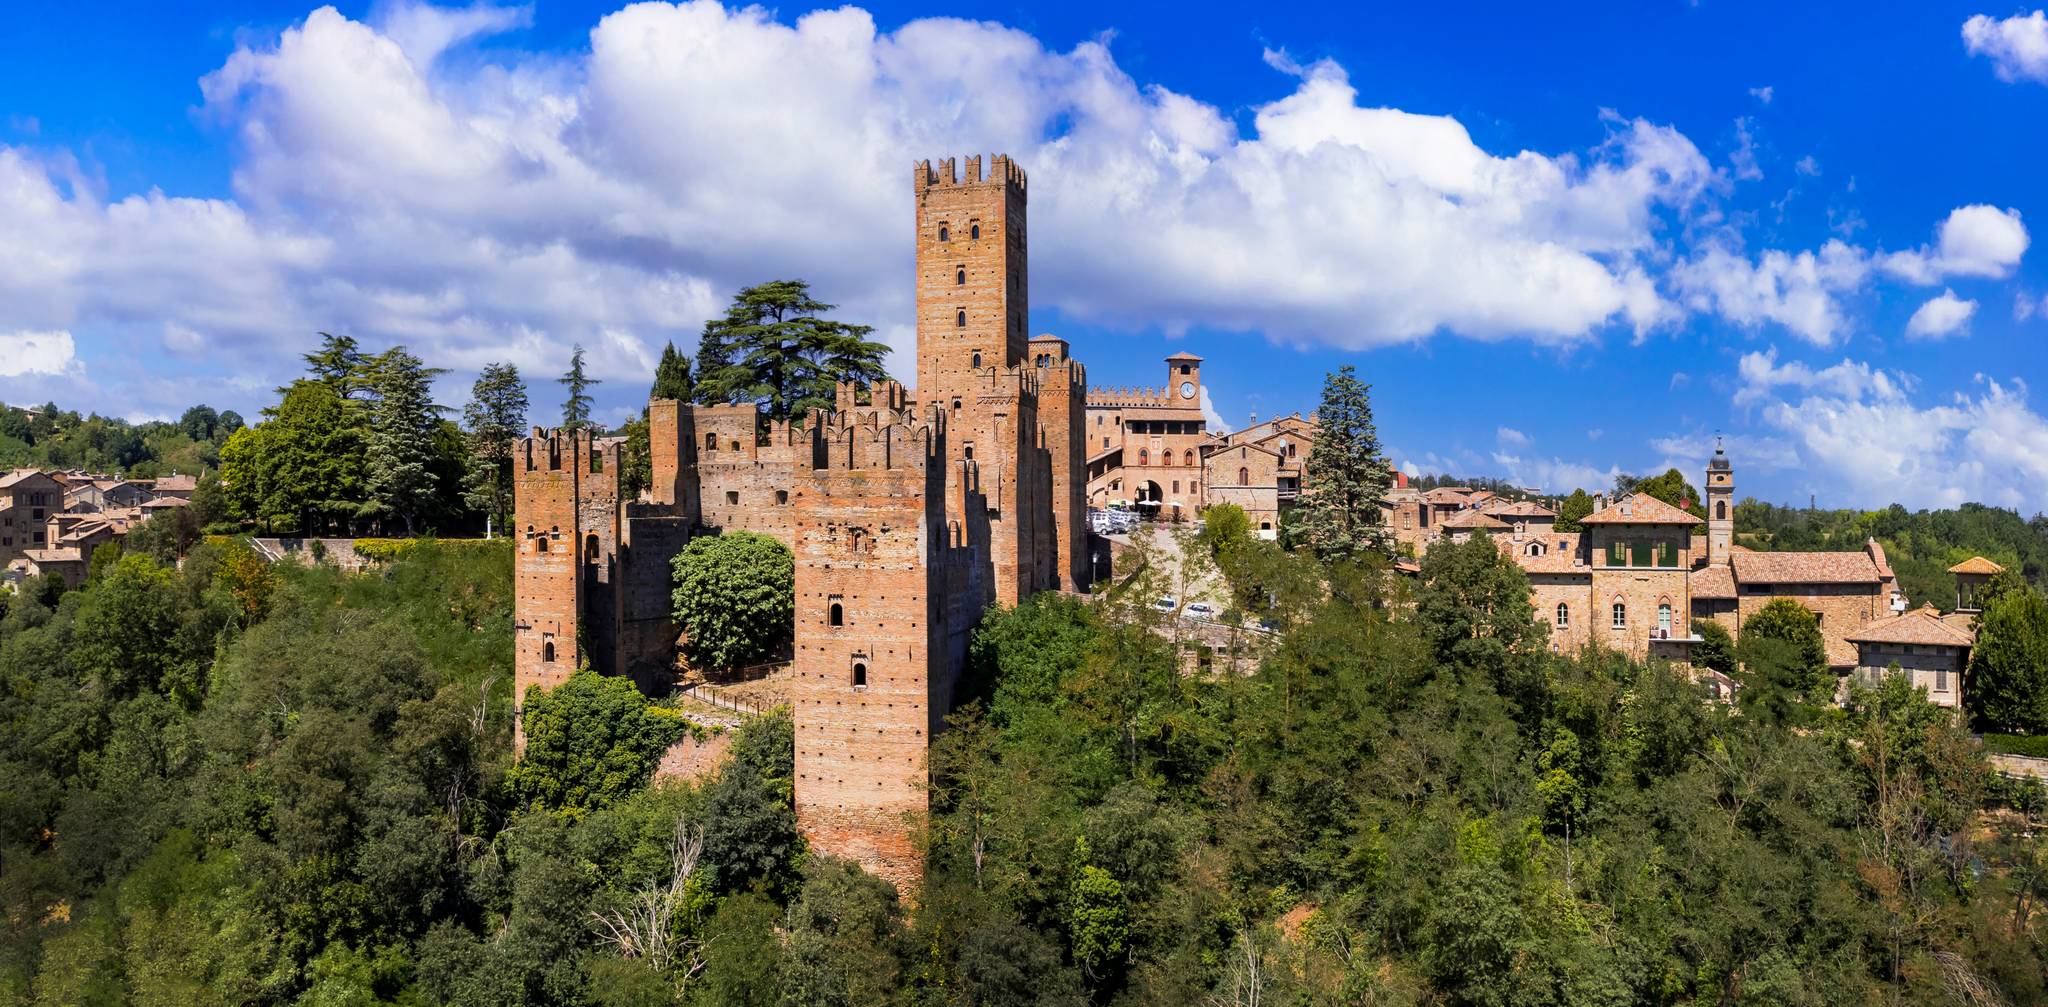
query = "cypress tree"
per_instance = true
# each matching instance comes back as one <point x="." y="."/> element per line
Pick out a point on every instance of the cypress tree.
<point x="576" y="409"/>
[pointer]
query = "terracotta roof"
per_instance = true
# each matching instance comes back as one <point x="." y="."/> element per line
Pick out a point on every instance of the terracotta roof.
<point x="19" y="476"/>
<point x="161" y="503"/>
<point x="1977" y="565"/>
<point x="1525" y="509"/>
<point x="43" y="557"/>
<point x="1447" y="494"/>
<point x="176" y="484"/>
<point x="1640" y="508"/>
<point x="1804" y="568"/>
<point x="1473" y="519"/>
<point x="1715" y="581"/>
<point x="1185" y="356"/>
<point x="1560" y="552"/>
<point x="1922" y="625"/>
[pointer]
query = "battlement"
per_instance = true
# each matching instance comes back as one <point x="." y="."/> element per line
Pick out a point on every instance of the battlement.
<point x="889" y="395"/>
<point x="1002" y="171"/>
<point x="1127" y="396"/>
<point x="865" y="443"/>
<point x="557" y="450"/>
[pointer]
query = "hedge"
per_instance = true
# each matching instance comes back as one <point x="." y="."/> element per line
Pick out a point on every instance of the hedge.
<point x="2035" y="745"/>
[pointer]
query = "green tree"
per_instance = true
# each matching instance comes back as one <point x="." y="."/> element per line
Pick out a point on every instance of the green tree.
<point x="774" y="347"/>
<point x="301" y="468"/>
<point x="735" y="598"/>
<point x="198" y="423"/>
<point x="672" y="376"/>
<point x="1672" y="488"/>
<point x="495" y="418"/>
<point x="401" y="480"/>
<point x="1573" y="509"/>
<point x="576" y="408"/>
<point x="1716" y="649"/>
<point x="339" y="364"/>
<point x="127" y="627"/>
<point x="1347" y="476"/>
<point x="1473" y="606"/>
<point x="2007" y="684"/>
<point x="589" y="742"/>
<point x="846" y="944"/>
<point x="1224" y="527"/>
<point x="746" y="955"/>
<point x="1784" y="662"/>
<point x="1096" y="916"/>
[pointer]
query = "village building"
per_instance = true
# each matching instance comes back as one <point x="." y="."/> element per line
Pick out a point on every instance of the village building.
<point x="27" y="499"/>
<point x="1146" y="445"/>
<point x="1930" y="648"/>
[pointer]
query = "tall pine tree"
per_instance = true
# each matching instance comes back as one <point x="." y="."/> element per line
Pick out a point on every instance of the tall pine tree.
<point x="672" y="376"/>
<point x="401" y="479"/>
<point x="1346" y="478"/>
<point x="494" y="417"/>
<point x="576" y="409"/>
<point x="773" y="347"/>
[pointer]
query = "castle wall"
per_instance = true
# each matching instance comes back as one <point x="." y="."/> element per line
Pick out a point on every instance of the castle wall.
<point x="872" y="679"/>
<point x="545" y="499"/>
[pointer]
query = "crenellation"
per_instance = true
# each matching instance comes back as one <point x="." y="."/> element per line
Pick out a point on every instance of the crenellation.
<point x="907" y="515"/>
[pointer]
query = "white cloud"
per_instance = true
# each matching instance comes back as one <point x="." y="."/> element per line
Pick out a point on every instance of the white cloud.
<point x="1553" y="474"/>
<point x="1807" y="166"/>
<point x="26" y="353"/>
<point x="1761" y="376"/>
<point x="2025" y="306"/>
<point x="1689" y="453"/>
<point x="1799" y="291"/>
<point x="1217" y="424"/>
<point x="1941" y="317"/>
<point x="1744" y="157"/>
<point x="394" y="181"/>
<point x="1763" y="94"/>
<point x="1510" y="437"/>
<point x="1977" y="240"/>
<point x="2017" y="46"/>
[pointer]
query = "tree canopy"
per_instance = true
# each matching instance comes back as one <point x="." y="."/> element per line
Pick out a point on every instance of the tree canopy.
<point x="734" y="599"/>
<point x="773" y="346"/>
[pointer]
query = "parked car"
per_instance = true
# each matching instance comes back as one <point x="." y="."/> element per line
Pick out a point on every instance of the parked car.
<point x="1200" y="610"/>
<point x="1166" y="603"/>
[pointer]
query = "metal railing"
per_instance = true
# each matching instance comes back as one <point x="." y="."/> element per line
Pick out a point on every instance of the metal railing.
<point x="712" y="695"/>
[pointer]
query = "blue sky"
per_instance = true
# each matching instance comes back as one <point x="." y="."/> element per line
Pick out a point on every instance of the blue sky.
<point x="1558" y="246"/>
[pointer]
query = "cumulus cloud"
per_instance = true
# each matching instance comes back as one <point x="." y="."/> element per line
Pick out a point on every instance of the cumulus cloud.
<point x="1764" y="94"/>
<point x="1800" y="291"/>
<point x="1807" y="166"/>
<point x="1743" y="160"/>
<point x="506" y="204"/>
<point x="1941" y="317"/>
<point x="1214" y="417"/>
<point x="1760" y="376"/>
<point x="2026" y="305"/>
<point x="1689" y="452"/>
<point x="1510" y="437"/>
<point x="1976" y="240"/>
<point x="2017" y="46"/>
<point x="32" y="353"/>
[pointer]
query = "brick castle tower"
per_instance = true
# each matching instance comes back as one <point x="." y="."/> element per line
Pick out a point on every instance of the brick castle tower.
<point x="908" y="515"/>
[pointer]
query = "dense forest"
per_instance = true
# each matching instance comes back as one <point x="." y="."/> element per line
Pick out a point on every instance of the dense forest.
<point x="228" y="782"/>
<point x="48" y="437"/>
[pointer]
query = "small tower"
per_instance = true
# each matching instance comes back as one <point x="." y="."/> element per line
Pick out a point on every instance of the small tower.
<point x="1720" y="493"/>
<point x="1184" y="380"/>
<point x="1971" y="576"/>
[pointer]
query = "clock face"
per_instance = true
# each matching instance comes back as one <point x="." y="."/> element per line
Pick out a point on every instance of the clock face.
<point x="1187" y="389"/>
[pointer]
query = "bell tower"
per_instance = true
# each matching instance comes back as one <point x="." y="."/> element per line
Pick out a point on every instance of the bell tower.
<point x="1720" y="493"/>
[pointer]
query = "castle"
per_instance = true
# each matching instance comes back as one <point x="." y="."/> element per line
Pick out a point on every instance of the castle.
<point x="908" y="514"/>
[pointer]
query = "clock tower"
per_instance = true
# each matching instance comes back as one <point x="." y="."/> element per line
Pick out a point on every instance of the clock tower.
<point x="1184" y="380"/>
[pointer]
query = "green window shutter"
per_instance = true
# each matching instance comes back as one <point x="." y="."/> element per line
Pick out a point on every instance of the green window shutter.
<point x="1615" y="554"/>
<point x="1667" y="554"/>
<point x="1639" y="554"/>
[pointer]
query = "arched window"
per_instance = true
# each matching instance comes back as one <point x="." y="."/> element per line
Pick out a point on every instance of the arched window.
<point x="590" y="549"/>
<point x="1144" y="457"/>
<point x="1720" y="510"/>
<point x="1620" y="616"/>
<point x="960" y="275"/>
<point x="956" y="405"/>
<point x="547" y="651"/>
<point x="1535" y="548"/>
<point x="1188" y="457"/>
<point x="1664" y="619"/>
<point x="1244" y="477"/>
<point x="960" y="319"/>
<point x="977" y="360"/>
<point x="860" y="675"/>
<point x="942" y="232"/>
<point x="711" y="442"/>
<point x="974" y="231"/>
<point x="540" y="544"/>
<point x="837" y="614"/>
<point x="1564" y="616"/>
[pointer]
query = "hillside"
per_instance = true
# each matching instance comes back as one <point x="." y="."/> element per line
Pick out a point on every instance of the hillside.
<point x="233" y="783"/>
<point x="1921" y="545"/>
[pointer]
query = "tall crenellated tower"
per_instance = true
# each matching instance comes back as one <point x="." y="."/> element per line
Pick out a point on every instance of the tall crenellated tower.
<point x="566" y="494"/>
<point x="973" y="298"/>
<point x="1720" y="493"/>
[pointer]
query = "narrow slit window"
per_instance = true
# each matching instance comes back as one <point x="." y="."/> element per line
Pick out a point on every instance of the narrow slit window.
<point x="942" y="232"/>
<point x="974" y="231"/>
<point x="960" y="319"/>
<point x="860" y="675"/>
<point x="837" y="614"/>
<point x="960" y="276"/>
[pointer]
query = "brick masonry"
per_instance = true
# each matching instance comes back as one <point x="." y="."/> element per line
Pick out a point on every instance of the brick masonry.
<point x="908" y="515"/>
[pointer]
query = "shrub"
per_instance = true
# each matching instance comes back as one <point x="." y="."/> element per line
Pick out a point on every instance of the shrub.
<point x="735" y="599"/>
